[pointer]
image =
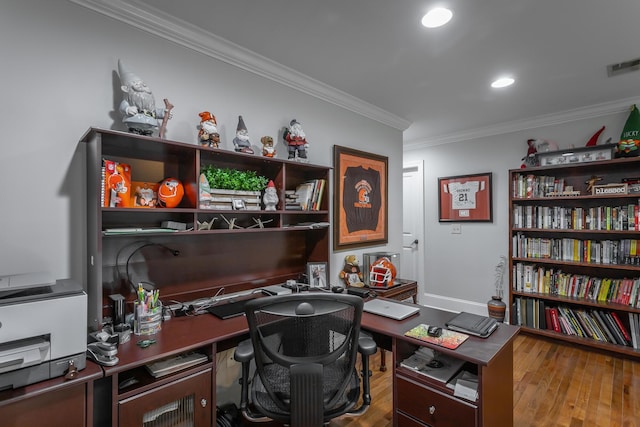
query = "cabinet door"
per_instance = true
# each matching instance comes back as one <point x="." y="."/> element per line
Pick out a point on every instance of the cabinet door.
<point x="186" y="401"/>
<point x="63" y="408"/>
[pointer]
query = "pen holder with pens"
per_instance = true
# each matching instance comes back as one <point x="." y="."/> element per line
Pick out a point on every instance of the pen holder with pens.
<point x="147" y="319"/>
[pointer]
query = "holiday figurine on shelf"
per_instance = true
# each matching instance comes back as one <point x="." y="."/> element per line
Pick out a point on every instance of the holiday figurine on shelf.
<point x="536" y="146"/>
<point x="241" y="142"/>
<point x="270" y="198"/>
<point x="138" y="106"/>
<point x="629" y="144"/>
<point x="208" y="133"/>
<point x="351" y="273"/>
<point x="594" y="138"/>
<point x="268" y="150"/>
<point x="296" y="139"/>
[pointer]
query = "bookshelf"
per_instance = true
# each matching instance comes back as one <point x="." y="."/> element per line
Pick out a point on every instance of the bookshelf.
<point x="237" y="250"/>
<point x="575" y="256"/>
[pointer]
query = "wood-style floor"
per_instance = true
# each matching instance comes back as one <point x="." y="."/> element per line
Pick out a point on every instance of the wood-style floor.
<point x="555" y="385"/>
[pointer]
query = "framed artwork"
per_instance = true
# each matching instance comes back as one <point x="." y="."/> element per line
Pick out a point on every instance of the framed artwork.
<point x="465" y="198"/>
<point x="360" y="211"/>
<point x="317" y="274"/>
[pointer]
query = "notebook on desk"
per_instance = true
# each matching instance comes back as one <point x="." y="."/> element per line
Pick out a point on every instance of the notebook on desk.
<point x="390" y="309"/>
<point x="474" y="324"/>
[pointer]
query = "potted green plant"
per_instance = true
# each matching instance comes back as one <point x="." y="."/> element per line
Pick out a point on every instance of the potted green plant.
<point x="496" y="306"/>
<point x="227" y="186"/>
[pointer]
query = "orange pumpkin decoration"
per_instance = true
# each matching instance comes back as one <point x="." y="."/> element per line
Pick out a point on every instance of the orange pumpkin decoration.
<point x="170" y="193"/>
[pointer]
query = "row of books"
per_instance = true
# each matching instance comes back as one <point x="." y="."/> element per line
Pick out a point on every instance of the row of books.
<point x="307" y="196"/>
<point x="529" y="186"/>
<point x="618" y="218"/>
<point x="599" y="325"/>
<point x="623" y="251"/>
<point x="118" y="190"/>
<point x="549" y="281"/>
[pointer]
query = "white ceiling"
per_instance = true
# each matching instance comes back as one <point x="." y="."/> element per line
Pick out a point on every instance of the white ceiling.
<point x="437" y="80"/>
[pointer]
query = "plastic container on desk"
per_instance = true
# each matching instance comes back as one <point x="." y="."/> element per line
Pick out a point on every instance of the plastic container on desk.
<point x="146" y="321"/>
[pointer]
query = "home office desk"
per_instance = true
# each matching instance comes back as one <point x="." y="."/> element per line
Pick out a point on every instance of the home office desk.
<point x="416" y="401"/>
<point x="94" y="398"/>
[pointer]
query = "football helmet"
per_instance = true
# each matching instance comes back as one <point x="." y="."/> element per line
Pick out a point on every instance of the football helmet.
<point x="382" y="273"/>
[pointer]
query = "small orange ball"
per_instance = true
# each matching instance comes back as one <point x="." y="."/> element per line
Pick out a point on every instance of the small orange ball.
<point x="170" y="193"/>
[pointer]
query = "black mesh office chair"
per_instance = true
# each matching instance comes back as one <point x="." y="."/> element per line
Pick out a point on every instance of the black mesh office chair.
<point x="305" y="348"/>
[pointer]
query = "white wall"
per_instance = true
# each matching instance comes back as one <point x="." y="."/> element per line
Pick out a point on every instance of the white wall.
<point x="459" y="268"/>
<point x="59" y="77"/>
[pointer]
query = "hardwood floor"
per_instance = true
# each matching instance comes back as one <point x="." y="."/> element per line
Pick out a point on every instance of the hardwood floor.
<point x="555" y="385"/>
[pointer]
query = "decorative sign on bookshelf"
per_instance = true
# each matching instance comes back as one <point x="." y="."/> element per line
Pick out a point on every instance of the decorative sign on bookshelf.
<point x="609" y="189"/>
<point x="594" y="153"/>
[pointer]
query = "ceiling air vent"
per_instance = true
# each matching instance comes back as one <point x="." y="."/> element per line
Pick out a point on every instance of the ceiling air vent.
<point x="623" y="67"/>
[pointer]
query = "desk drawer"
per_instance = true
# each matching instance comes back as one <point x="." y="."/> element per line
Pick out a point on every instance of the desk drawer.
<point x="434" y="408"/>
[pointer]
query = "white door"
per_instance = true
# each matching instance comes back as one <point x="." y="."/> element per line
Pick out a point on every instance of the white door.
<point x="411" y="260"/>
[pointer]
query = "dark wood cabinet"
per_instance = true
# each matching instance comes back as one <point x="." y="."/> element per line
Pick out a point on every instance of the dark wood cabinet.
<point x="183" y="401"/>
<point x="243" y="249"/>
<point x="565" y="242"/>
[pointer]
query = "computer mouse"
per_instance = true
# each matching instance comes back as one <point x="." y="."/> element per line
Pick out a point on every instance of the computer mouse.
<point x="337" y="289"/>
<point x="434" y="363"/>
<point x="434" y="331"/>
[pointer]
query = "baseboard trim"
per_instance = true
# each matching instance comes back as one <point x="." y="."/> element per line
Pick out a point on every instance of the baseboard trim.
<point x="454" y="305"/>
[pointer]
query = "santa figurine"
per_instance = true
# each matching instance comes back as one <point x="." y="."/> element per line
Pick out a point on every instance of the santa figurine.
<point x="208" y="133"/>
<point x="270" y="198"/>
<point x="241" y="142"/>
<point x="296" y="139"/>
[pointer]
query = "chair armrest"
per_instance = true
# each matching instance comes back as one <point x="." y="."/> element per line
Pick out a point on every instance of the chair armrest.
<point x="244" y="352"/>
<point x="366" y="345"/>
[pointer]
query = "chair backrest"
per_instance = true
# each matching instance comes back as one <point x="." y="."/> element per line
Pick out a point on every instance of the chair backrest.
<point x="317" y="330"/>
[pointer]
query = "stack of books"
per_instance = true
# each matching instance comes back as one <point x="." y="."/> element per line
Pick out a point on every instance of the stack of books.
<point x="307" y="196"/>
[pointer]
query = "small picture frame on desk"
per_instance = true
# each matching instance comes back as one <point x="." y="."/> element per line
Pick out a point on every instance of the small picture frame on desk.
<point x="317" y="274"/>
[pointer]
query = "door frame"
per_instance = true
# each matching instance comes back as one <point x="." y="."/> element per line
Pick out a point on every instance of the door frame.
<point x="418" y="168"/>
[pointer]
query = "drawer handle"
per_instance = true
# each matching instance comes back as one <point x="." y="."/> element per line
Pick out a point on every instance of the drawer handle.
<point x="432" y="410"/>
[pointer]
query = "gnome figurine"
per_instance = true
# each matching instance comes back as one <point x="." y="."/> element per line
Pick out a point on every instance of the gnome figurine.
<point x="208" y="133"/>
<point x="139" y="106"/>
<point x="270" y="198"/>
<point x="241" y="142"/>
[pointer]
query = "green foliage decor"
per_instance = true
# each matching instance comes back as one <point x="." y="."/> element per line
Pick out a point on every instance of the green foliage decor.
<point x="232" y="179"/>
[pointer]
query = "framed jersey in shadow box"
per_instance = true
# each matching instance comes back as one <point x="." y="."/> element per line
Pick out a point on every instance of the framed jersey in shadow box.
<point x="360" y="208"/>
<point x="465" y="198"/>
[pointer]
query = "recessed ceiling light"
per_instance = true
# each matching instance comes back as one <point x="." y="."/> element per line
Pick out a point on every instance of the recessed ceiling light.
<point x="502" y="82"/>
<point x="437" y="17"/>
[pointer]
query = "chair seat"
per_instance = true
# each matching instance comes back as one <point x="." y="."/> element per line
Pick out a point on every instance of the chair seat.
<point x="332" y="378"/>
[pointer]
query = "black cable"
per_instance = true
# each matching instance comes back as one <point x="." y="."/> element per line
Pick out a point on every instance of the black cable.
<point x="173" y="252"/>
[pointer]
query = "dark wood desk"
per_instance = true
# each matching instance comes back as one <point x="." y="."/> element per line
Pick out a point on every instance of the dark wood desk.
<point x="59" y="402"/>
<point x="492" y="357"/>
<point x="420" y="401"/>
<point x="404" y="289"/>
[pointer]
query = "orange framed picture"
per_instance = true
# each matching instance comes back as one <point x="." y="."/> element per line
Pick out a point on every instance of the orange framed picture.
<point x="465" y="198"/>
<point x="360" y="215"/>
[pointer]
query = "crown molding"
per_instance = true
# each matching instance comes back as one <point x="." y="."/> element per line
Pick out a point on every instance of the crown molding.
<point x="184" y="34"/>
<point x="583" y="113"/>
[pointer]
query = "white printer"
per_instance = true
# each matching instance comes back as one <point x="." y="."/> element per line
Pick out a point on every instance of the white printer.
<point x="43" y="330"/>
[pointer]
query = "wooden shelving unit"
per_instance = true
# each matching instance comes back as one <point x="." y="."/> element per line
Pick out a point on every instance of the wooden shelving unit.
<point x="572" y="242"/>
<point x="221" y="259"/>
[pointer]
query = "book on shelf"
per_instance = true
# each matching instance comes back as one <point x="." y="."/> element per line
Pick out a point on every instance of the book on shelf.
<point x="116" y="185"/>
<point x="309" y="195"/>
